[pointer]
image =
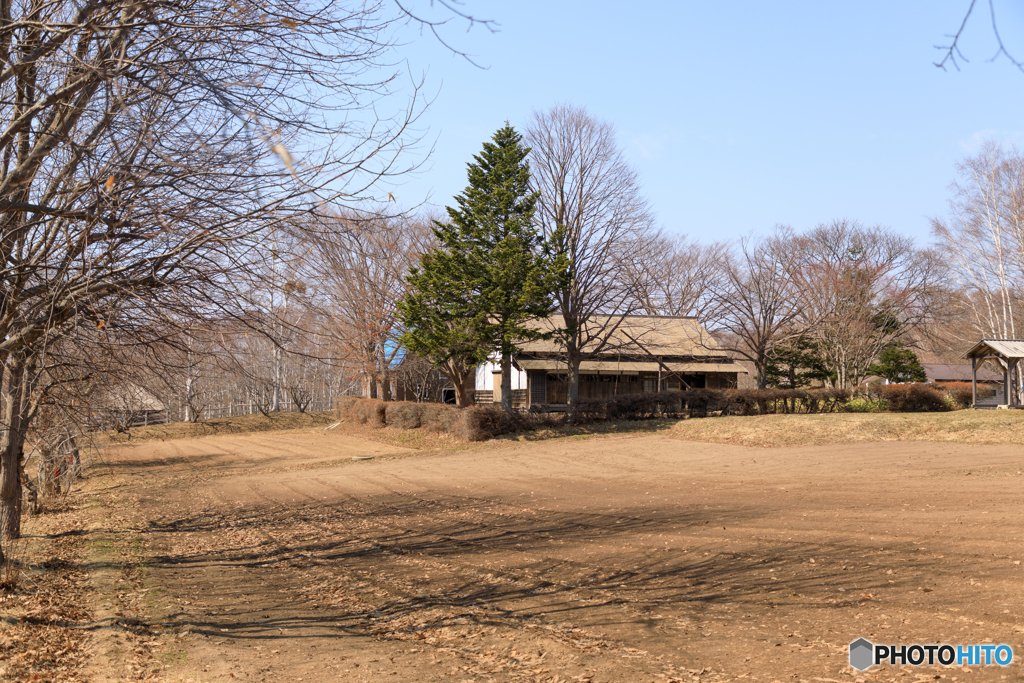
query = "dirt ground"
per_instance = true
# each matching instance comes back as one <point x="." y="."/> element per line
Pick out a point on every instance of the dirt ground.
<point x="277" y="557"/>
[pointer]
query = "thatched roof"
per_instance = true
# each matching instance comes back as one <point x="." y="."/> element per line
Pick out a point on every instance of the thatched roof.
<point x="127" y="397"/>
<point x="626" y="367"/>
<point x="636" y="336"/>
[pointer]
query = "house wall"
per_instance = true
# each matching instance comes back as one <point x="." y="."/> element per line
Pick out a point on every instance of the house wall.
<point x="552" y="389"/>
<point x="722" y="380"/>
<point x="485" y="377"/>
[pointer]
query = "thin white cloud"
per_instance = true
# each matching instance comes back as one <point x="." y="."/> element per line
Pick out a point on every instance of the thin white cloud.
<point x="973" y="143"/>
<point x="651" y="145"/>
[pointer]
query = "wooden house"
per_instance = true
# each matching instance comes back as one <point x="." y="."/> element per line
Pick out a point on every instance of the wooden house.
<point x="639" y="354"/>
<point x="126" y="404"/>
<point x="959" y="372"/>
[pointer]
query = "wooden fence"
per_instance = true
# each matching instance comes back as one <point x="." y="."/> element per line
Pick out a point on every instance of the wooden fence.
<point x="519" y="397"/>
<point x="213" y="412"/>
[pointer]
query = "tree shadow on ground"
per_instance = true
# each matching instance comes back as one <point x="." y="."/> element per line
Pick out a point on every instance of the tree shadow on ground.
<point x="495" y="568"/>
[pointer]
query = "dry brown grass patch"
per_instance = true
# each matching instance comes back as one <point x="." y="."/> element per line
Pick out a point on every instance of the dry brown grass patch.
<point x="226" y="425"/>
<point x="965" y="426"/>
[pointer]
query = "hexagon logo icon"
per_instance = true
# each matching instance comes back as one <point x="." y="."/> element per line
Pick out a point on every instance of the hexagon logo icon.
<point x="861" y="654"/>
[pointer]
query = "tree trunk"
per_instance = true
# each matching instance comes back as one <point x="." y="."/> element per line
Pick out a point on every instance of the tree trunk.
<point x="275" y="400"/>
<point x="29" y="492"/>
<point x="75" y="459"/>
<point x="506" y="381"/>
<point x="49" y="473"/>
<point x="385" y="385"/>
<point x="463" y="393"/>
<point x="11" y="443"/>
<point x="573" y="386"/>
<point x="460" y="394"/>
<point x="463" y="379"/>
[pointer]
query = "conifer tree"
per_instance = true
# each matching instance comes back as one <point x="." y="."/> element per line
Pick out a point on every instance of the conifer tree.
<point x="491" y="273"/>
<point x="897" y="364"/>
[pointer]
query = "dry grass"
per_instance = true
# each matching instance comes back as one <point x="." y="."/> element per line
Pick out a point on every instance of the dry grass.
<point x="582" y="431"/>
<point x="420" y="439"/>
<point x="227" y="425"/>
<point x="964" y="426"/>
<point x="423" y="440"/>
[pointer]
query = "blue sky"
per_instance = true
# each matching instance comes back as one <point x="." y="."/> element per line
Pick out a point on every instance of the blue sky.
<point x="738" y="115"/>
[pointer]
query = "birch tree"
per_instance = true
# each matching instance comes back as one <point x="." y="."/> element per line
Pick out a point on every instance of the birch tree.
<point x="982" y="240"/>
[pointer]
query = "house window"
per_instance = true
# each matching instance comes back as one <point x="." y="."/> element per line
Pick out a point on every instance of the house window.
<point x="538" y="388"/>
<point x="650" y="385"/>
<point x="672" y="385"/>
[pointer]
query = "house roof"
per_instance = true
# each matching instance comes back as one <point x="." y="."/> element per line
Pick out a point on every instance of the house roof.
<point x="129" y="397"/>
<point x="958" y="372"/>
<point x="615" y="367"/>
<point x="1007" y="348"/>
<point x="634" y="335"/>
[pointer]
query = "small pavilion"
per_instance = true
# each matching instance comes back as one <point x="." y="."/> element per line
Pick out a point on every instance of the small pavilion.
<point x="1007" y="353"/>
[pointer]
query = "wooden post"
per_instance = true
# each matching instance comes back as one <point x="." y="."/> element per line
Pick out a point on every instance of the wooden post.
<point x="1015" y="378"/>
<point x="974" y="382"/>
<point x="496" y="389"/>
<point x="1006" y="382"/>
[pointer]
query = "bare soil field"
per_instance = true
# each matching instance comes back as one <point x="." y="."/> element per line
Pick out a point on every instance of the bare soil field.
<point x="621" y="557"/>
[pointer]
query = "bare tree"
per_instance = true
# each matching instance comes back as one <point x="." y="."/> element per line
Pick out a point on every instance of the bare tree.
<point x="591" y="209"/>
<point x="983" y="239"/>
<point x="860" y="290"/>
<point x="758" y="306"/>
<point x="150" y="146"/>
<point x="678" y="276"/>
<point x="363" y="261"/>
<point x="422" y="377"/>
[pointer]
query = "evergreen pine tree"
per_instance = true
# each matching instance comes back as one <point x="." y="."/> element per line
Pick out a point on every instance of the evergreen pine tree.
<point x="897" y="363"/>
<point x="491" y="273"/>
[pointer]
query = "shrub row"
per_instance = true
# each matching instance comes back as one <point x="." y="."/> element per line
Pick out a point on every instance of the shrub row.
<point x="788" y="401"/>
<point x="692" y="403"/>
<point x="962" y="394"/>
<point x="477" y="423"/>
<point x="480" y="423"/>
<point x="699" y="402"/>
<point x="911" y="398"/>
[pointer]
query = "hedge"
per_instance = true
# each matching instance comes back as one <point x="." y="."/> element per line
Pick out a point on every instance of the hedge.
<point x="962" y="394"/>
<point x="910" y="398"/>
<point x="477" y="423"/>
<point x="701" y="402"/>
